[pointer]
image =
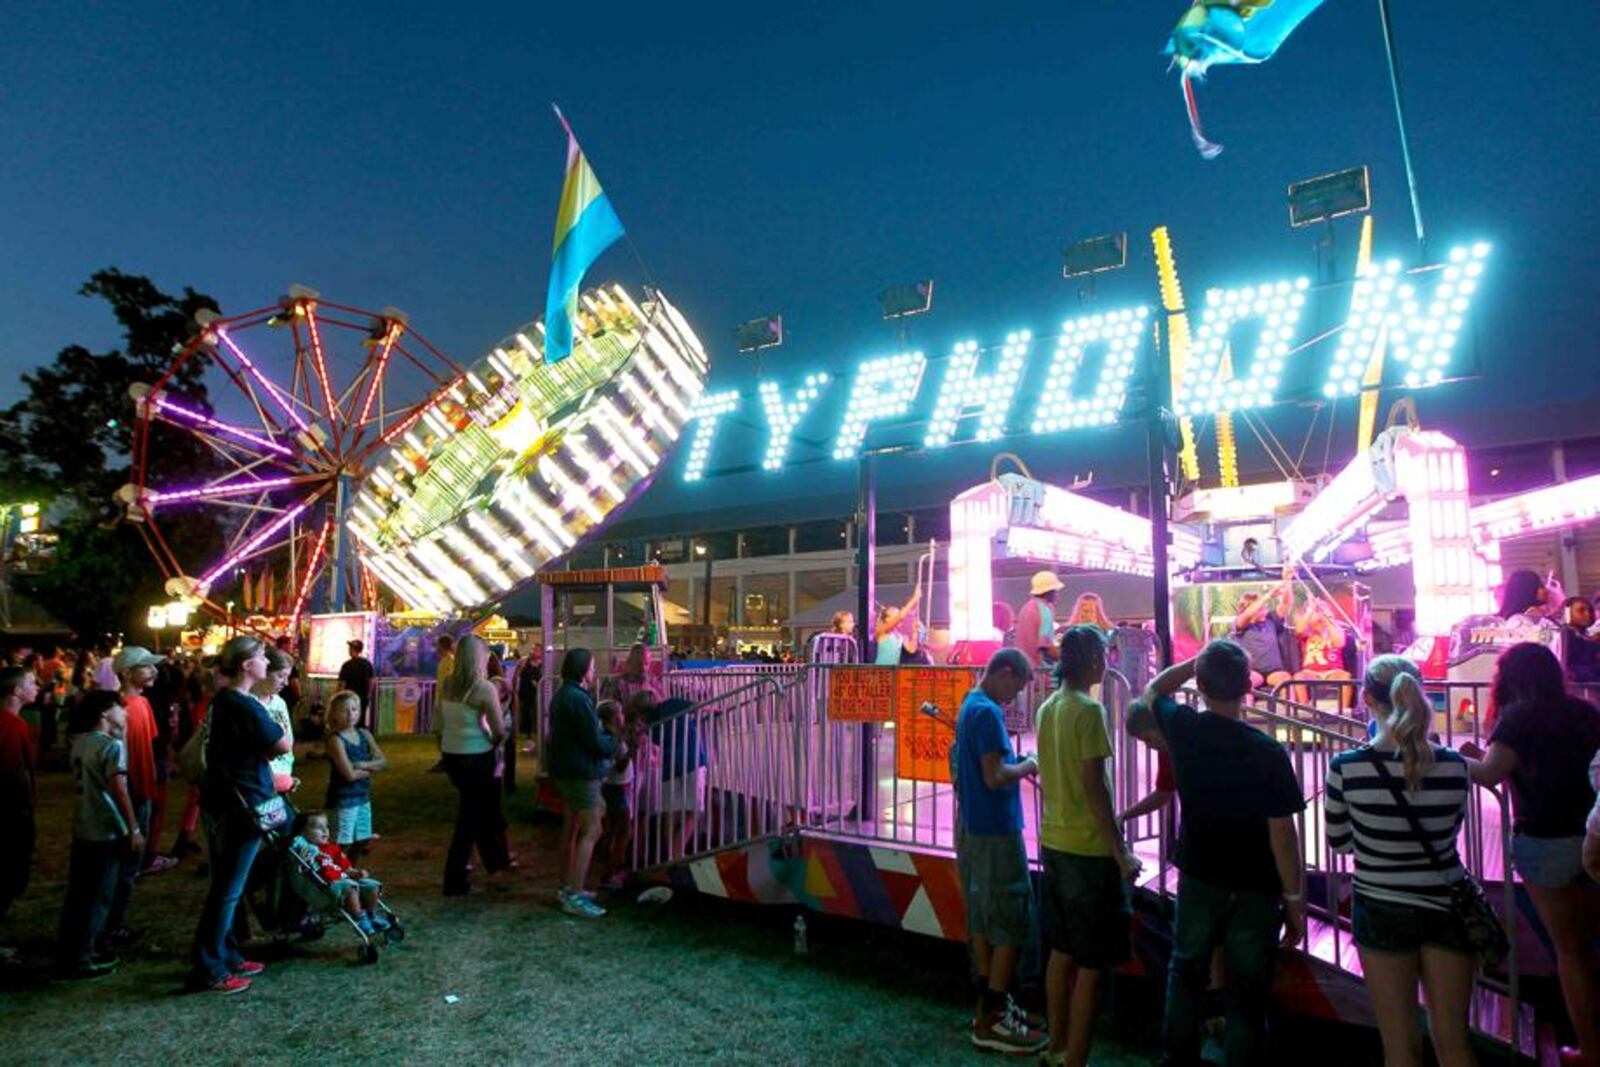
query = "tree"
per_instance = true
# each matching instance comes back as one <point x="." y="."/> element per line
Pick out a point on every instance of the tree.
<point x="67" y="444"/>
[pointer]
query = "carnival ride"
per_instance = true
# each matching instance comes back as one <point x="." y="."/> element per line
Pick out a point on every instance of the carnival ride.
<point x="351" y="455"/>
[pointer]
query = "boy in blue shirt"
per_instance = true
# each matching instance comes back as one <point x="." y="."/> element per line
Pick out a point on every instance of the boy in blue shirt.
<point x="990" y="854"/>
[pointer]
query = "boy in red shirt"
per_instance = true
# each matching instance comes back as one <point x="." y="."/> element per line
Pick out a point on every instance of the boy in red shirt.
<point x="18" y="688"/>
<point x="352" y="887"/>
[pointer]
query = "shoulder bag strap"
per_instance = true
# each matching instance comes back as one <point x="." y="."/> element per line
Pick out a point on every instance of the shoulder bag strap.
<point x="1411" y="816"/>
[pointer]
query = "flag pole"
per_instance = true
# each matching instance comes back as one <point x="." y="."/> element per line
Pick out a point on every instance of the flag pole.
<point x="1400" y="121"/>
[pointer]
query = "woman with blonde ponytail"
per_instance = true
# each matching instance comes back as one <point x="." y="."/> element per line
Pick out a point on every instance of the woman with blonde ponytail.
<point x="1377" y="798"/>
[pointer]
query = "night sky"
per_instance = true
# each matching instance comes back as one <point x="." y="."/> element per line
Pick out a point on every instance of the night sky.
<point x="796" y="161"/>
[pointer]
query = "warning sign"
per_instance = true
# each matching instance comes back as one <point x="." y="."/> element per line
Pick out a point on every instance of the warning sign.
<point x="927" y="700"/>
<point x="862" y="694"/>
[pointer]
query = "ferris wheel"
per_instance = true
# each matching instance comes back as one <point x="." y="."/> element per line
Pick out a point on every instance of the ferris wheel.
<point x="302" y="394"/>
<point x="335" y="490"/>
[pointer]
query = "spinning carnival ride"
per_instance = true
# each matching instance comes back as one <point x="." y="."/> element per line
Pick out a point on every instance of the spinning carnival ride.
<point x="325" y="481"/>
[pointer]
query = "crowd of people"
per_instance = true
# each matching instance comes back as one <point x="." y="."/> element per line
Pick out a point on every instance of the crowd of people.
<point x="1396" y="805"/>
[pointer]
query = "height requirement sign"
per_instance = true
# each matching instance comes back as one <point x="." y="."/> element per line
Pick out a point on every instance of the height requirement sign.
<point x="898" y="695"/>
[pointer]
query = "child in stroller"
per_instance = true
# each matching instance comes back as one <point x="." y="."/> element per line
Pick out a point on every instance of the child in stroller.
<point x="327" y="880"/>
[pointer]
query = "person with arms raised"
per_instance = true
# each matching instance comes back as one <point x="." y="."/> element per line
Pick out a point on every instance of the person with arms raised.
<point x="1239" y="861"/>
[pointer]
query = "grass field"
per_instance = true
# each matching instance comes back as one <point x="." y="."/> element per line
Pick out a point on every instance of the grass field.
<point x="696" y="981"/>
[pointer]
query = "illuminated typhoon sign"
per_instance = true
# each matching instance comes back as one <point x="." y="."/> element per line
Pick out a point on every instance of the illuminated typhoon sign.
<point x="1237" y="349"/>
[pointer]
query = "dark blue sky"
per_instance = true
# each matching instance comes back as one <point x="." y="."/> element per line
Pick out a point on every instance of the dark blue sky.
<point x="794" y="160"/>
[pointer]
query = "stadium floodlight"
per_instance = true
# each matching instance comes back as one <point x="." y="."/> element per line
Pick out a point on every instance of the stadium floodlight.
<point x="765" y="332"/>
<point x="900" y="301"/>
<point x="1345" y="192"/>
<point x="1094" y="255"/>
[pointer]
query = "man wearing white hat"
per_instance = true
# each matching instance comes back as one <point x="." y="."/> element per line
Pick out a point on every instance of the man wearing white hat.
<point x="136" y="669"/>
<point x="1036" y="620"/>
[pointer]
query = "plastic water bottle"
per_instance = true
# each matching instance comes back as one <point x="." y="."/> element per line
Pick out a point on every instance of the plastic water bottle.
<point x="800" y="947"/>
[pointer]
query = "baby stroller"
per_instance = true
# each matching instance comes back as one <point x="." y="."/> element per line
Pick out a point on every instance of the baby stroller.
<point x="322" y="906"/>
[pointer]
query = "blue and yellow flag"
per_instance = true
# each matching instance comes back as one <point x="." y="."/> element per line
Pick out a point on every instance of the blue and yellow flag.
<point x="1229" y="31"/>
<point x="586" y="226"/>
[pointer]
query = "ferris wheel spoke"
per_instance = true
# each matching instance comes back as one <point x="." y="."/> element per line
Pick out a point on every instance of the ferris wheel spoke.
<point x="312" y="569"/>
<point x="320" y="364"/>
<point x="255" y="544"/>
<point x="284" y="402"/>
<point x="208" y="426"/>
<point x="390" y="336"/>
<point x="218" y="491"/>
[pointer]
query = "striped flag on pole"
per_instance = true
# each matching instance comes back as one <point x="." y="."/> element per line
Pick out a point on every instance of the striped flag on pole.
<point x="586" y="225"/>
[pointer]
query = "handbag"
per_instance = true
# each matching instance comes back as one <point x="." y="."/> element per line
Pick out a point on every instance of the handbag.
<point x="270" y="816"/>
<point x="1467" y="900"/>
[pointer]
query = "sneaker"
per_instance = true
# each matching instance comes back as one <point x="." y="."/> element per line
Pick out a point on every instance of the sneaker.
<point x="379" y="923"/>
<point x="249" y="969"/>
<point x="1032" y="1020"/>
<point x="582" y="907"/>
<point x="229" y="986"/>
<point x="1001" y="1033"/>
<point x="88" y="969"/>
<point x="159" y="865"/>
<point x="364" y="924"/>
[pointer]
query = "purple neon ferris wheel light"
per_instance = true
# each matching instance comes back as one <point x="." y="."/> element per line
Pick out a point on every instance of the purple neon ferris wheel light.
<point x="283" y="402"/>
<point x="221" y="427"/>
<point x="212" y="492"/>
<point x="254" y="543"/>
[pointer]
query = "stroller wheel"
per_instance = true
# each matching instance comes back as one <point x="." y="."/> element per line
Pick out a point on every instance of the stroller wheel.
<point x="396" y="932"/>
<point x="367" y="952"/>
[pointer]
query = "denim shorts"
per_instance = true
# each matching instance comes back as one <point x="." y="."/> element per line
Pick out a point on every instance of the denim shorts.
<point x="352" y="824"/>
<point x="1548" y="862"/>
<point x="579" y="794"/>
<point x="1086" y="909"/>
<point x="1387" y="926"/>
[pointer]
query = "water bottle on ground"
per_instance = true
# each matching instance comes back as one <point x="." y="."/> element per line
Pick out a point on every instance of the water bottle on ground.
<point x="800" y="946"/>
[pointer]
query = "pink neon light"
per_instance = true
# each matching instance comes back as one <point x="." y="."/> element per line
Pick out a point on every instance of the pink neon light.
<point x="322" y="367"/>
<point x="377" y="373"/>
<point x="283" y="402"/>
<point x="311" y="575"/>
<point x="1046" y="523"/>
<point x="1431" y="469"/>
<point x="254" y="543"/>
<point x="221" y="427"/>
<point x="1549" y="508"/>
<point x="214" y="491"/>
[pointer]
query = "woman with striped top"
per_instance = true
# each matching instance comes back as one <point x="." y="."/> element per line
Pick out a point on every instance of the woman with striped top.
<point x="1401" y="918"/>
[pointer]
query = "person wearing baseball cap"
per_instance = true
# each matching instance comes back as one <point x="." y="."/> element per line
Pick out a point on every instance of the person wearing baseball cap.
<point x="1036" y="620"/>
<point x="136" y="670"/>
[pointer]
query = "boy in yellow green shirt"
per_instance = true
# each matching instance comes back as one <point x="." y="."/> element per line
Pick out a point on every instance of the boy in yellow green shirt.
<point x="1087" y="867"/>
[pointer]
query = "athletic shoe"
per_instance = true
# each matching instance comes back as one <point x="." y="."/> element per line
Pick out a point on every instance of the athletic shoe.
<point x="249" y="969"/>
<point x="379" y="923"/>
<point x="1032" y="1020"/>
<point x="582" y="907"/>
<point x="229" y="986"/>
<point x="364" y="924"/>
<point x="1001" y="1033"/>
<point x="159" y="865"/>
<point x="88" y="969"/>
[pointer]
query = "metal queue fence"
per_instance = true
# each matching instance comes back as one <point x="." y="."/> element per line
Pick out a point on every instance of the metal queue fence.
<point x="755" y="755"/>
<point x="1463" y="710"/>
<point x="1313" y="737"/>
